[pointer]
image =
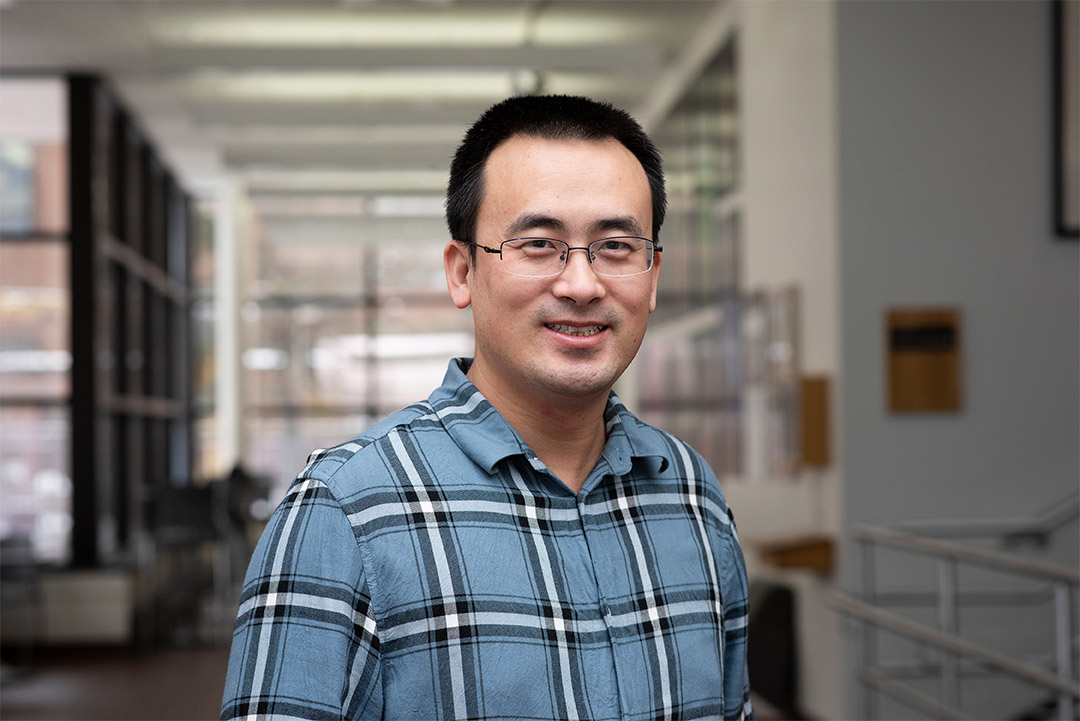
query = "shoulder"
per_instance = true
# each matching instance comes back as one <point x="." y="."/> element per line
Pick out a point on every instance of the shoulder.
<point x="344" y="468"/>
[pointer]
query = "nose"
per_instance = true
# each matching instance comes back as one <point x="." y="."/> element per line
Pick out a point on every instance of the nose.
<point x="578" y="281"/>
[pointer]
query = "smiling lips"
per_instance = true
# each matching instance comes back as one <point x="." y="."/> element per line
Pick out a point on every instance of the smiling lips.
<point x="582" y="331"/>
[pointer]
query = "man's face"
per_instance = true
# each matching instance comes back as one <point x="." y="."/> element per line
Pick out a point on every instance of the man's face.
<point x="569" y="336"/>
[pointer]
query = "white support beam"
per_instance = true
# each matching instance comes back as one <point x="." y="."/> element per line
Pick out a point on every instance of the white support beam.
<point x="229" y="232"/>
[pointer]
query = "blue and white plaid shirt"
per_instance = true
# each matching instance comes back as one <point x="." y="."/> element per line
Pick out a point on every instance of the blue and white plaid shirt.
<point x="433" y="568"/>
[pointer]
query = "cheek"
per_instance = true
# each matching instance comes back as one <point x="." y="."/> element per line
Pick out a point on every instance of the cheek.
<point x="510" y="291"/>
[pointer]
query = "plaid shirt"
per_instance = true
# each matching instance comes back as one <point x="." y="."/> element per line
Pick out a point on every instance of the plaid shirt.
<point x="433" y="568"/>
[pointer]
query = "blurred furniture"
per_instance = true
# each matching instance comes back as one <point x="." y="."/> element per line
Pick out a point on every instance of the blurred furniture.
<point x="771" y="654"/>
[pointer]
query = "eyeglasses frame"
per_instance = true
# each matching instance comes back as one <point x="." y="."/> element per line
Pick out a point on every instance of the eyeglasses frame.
<point x="498" y="251"/>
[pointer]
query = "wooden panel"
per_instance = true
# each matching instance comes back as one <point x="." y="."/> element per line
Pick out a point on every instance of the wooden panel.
<point x="814" y="438"/>
<point x="923" y="355"/>
<point x="814" y="553"/>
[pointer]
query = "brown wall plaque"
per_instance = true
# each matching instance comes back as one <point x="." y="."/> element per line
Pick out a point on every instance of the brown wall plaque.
<point x="814" y="421"/>
<point x="923" y="358"/>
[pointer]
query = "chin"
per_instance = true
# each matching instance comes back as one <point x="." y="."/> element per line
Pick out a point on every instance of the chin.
<point x="581" y="381"/>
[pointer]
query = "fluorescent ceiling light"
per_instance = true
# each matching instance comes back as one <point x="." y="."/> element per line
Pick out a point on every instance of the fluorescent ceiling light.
<point x="354" y="135"/>
<point x="338" y="206"/>
<point x="346" y="180"/>
<point x="347" y="86"/>
<point x="491" y="27"/>
<point x="427" y="87"/>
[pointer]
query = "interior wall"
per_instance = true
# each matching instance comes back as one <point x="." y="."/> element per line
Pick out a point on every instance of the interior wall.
<point x="787" y="93"/>
<point x="789" y="163"/>
<point x="945" y="187"/>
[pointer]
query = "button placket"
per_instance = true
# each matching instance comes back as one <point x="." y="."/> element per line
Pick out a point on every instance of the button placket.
<point x="594" y="544"/>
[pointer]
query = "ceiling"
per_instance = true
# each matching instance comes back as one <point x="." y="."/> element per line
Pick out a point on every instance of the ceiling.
<point x="321" y="99"/>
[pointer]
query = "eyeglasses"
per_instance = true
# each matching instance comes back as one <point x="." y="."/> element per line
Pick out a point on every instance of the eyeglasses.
<point x="545" y="257"/>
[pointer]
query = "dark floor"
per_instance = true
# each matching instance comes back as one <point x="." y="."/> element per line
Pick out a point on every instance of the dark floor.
<point x="113" y="684"/>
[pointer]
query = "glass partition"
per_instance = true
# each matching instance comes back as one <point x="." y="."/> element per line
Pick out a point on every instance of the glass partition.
<point x="35" y="318"/>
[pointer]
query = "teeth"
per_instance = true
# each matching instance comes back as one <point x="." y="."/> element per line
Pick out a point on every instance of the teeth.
<point x="576" y="330"/>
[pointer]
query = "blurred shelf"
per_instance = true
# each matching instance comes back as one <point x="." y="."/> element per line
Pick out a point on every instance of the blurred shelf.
<point x="812" y="552"/>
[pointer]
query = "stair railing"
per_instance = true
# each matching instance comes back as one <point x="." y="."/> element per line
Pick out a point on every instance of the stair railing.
<point x="1058" y="583"/>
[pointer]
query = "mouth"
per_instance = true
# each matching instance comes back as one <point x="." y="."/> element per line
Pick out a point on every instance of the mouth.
<point x="581" y="331"/>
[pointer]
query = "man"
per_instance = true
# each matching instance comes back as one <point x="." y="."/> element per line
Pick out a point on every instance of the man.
<point x="519" y="545"/>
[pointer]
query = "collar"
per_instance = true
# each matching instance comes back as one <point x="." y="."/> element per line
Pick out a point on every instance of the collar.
<point x="487" y="438"/>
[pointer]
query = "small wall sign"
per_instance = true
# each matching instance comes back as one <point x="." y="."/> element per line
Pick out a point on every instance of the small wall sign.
<point x="923" y="360"/>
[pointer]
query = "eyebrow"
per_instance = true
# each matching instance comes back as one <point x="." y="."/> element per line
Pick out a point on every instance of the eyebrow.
<point x="627" y="224"/>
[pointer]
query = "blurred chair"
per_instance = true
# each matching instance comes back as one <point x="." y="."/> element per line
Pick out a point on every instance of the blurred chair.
<point x="20" y="599"/>
<point x="771" y="652"/>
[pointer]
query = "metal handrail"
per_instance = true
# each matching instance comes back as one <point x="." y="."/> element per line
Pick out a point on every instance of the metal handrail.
<point x="1001" y="560"/>
<point x="1040" y="525"/>
<point x="955" y="649"/>
<point x="955" y="644"/>
<point x="910" y="696"/>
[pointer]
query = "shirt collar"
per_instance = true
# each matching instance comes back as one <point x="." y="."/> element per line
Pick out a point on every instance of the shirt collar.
<point x="487" y="438"/>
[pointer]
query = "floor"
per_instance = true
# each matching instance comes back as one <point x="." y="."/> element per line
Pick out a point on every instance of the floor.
<point x="114" y="684"/>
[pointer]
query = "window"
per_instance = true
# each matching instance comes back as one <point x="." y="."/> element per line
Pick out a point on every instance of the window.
<point x="35" y="301"/>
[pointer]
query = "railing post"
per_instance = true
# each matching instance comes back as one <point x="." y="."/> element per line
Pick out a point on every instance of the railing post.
<point x="869" y="631"/>
<point x="947" y="622"/>
<point x="1063" y="645"/>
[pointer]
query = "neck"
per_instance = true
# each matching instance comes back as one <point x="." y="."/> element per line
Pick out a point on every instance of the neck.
<point x="567" y="434"/>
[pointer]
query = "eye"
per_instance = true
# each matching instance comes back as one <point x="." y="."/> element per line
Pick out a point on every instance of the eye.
<point x="536" y="246"/>
<point x="614" y="247"/>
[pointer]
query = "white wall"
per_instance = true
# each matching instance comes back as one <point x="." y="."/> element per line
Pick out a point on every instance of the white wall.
<point x="786" y="60"/>
<point x="789" y="163"/>
<point x="945" y="187"/>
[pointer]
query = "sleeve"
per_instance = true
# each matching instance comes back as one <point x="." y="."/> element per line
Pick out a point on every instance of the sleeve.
<point x="306" y="643"/>
<point x="736" y="618"/>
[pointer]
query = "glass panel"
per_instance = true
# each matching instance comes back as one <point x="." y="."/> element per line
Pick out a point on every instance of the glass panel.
<point x="33" y="156"/>
<point x="308" y="257"/>
<point x="408" y="380"/>
<point x="278" y="359"/>
<point x="410" y="257"/>
<point x="178" y="229"/>
<point x="35" y="345"/>
<point x="348" y="319"/>
<point x="202" y="254"/>
<point x="278" y="447"/>
<point x="202" y="331"/>
<point x="205" y="464"/>
<point x="16" y="187"/>
<point x="316" y="356"/>
<point x="35" y="479"/>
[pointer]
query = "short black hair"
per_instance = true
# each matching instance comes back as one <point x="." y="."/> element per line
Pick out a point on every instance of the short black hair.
<point x="555" y="117"/>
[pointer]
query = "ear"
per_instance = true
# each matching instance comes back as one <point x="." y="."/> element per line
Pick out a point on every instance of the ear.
<point x="458" y="267"/>
<point x="655" y="273"/>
